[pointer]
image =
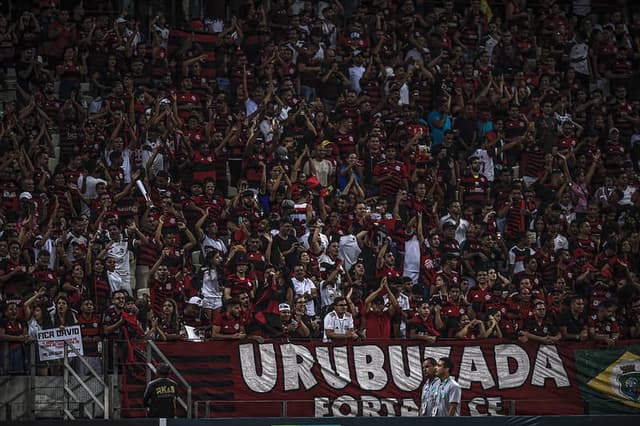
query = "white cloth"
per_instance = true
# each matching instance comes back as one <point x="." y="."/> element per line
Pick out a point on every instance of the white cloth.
<point x="120" y="252"/>
<point x="355" y="74"/>
<point x="211" y="283"/>
<point x="412" y="259"/>
<point x="349" y="251"/>
<point x="578" y="58"/>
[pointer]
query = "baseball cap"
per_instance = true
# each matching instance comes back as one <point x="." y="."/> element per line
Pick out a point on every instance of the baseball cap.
<point x="195" y="300"/>
<point x="284" y="307"/>
<point x="26" y="196"/>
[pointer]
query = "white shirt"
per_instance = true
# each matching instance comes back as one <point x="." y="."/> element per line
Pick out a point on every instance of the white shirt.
<point x="461" y="230"/>
<point x="324" y="241"/>
<point x="328" y="292"/>
<point x="336" y="324"/>
<point x="302" y="287"/>
<point x="487" y="167"/>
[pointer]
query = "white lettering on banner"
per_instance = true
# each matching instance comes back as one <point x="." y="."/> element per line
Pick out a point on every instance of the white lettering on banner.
<point x="342" y="402"/>
<point x="51" y="342"/>
<point x="549" y="366"/>
<point x="437" y="352"/>
<point x="370" y="406"/>
<point x="366" y="406"/>
<point x="506" y="378"/>
<point x="321" y="407"/>
<point x="370" y="369"/>
<point x="473" y="368"/>
<point x="294" y="371"/>
<point x="267" y="380"/>
<point x="411" y="382"/>
<point x="409" y="408"/>
<point x="370" y="373"/>
<point x="337" y="377"/>
<point x="491" y="406"/>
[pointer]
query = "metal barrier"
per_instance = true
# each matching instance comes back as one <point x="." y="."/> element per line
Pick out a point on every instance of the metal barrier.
<point x="152" y="349"/>
<point x="26" y="395"/>
<point x="69" y="393"/>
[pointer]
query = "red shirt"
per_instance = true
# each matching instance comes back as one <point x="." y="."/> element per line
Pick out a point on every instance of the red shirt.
<point x="378" y="324"/>
<point x="228" y="323"/>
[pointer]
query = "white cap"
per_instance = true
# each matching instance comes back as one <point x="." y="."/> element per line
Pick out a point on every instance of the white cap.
<point x="195" y="300"/>
<point x="284" y="307"/>
<point x="26" y="196"/>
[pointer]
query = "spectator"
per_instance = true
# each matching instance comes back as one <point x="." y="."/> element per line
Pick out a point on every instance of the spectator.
<point x="424" y="325"/>
<point x="540" y="328"/>
<point x="229" y="324"/>
<point x="574" y="323"/>
<point x="338" y="324"/>
<point x="377" y="317"/>
<point x="603" y="327"/>
<point x="13" y="333"/>
<point x="92" y="330"/>
<point x="286" y="139"/>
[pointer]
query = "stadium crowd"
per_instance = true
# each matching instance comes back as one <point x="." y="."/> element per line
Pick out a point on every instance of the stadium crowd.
<point x="337" y="170"/>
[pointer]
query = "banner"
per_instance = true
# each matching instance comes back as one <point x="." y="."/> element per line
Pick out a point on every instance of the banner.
<point x="610" y="379"/>
<point x="51" y="342"/>
<point x="314" y="379"/>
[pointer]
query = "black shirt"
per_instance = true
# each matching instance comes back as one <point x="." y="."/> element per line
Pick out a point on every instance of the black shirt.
<point x="160" y="397"/>
<point x="574" y="326"/>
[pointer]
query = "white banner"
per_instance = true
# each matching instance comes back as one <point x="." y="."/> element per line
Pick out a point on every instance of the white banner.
<point x="51" y="342"/>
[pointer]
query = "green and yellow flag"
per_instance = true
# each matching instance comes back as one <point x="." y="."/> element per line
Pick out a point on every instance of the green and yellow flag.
<point x="610" y="379"/>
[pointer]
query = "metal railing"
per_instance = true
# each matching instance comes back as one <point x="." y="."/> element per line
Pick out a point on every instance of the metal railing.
<point x="284" y="408"/>
<point x="152" y="350"/>
<point x="71" y="394"/>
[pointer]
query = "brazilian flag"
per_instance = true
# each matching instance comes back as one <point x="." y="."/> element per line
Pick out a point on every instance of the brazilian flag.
<point x="610" y="379"/>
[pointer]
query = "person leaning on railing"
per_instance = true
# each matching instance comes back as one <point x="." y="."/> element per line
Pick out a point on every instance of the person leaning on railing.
<point x="13" y="335"/>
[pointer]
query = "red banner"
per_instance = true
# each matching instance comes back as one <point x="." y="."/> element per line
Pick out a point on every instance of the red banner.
<point x="374" y="379"/>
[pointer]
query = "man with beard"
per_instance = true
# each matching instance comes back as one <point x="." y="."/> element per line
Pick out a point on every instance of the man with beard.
<point x="229" y="325"/>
